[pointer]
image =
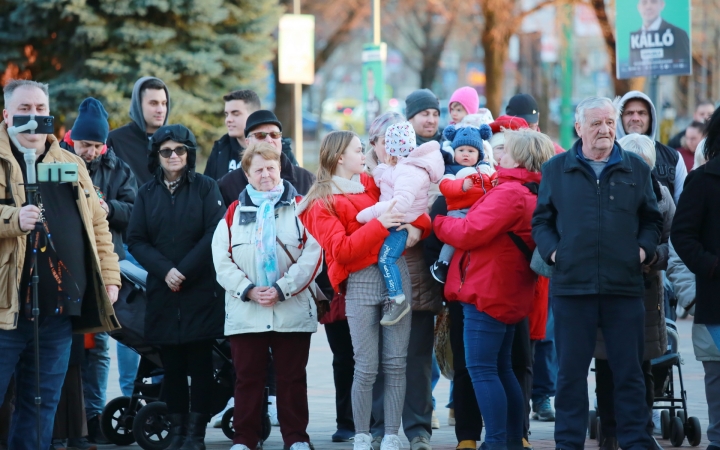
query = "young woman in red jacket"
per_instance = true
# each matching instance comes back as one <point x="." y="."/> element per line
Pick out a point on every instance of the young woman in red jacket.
<point x="329" y="211"/>
<point x="492" y="277"/>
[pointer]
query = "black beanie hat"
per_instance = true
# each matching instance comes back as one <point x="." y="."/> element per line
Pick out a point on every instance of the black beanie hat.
<point x="261" y="117"/>
<point x="524" y="106"/>
<point x="91" y="123"/>
<point x="420" y="100"/>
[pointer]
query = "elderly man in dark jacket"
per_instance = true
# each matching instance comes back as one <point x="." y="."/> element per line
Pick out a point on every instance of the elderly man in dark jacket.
<point x="597" y="221"/>
<point x="263" y="125"/>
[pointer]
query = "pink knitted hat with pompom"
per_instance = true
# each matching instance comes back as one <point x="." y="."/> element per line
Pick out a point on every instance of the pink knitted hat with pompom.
<point x="468" y="97"/>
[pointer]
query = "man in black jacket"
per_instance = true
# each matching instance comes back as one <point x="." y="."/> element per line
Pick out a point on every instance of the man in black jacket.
<point x="597" y="221"/>
<point x="149" y="110"/>
<point x="117" y="191"/>
<point x="227" y="151"/>
<point x="263" y="125"/>
<point x="639" y="116"/>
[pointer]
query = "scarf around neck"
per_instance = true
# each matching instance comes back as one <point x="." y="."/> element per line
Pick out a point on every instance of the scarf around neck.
<point x="266" y="266"/>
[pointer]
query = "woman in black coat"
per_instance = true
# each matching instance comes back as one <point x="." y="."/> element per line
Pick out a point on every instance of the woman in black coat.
<point x="695" y="236"/>
<point x="170" y="233"/>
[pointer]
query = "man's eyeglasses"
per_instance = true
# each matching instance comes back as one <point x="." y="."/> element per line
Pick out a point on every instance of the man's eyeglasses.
<point x="167" y="152"/>
<point x="261" y="135"/>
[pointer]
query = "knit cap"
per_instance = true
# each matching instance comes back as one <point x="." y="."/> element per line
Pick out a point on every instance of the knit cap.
<point x="400" y="139"/>
<point x="420" y="100"/>
<point x="483" y="116"/>
<point x="91" y="123"/>
<point x="468" y="135"/>
<point x="467" y="97"/>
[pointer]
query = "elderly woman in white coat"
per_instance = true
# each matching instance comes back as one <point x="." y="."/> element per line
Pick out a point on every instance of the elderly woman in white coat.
<point x="267" y="264"/>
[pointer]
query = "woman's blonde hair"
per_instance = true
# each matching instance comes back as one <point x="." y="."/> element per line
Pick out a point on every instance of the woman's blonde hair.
<point x="262" y="148"/>
<point x="332" y="148"/>
<point x="529" y="148"/>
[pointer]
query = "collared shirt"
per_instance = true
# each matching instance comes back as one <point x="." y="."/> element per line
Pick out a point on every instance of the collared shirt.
<point x="653" y="26"/>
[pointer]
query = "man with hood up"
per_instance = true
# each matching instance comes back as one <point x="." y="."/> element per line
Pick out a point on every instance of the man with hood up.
<point x="149" y="110"/>
<point x="638" y="115"/>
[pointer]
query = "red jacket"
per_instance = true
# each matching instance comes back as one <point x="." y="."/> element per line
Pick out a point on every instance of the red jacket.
<point x="488" y="269"/>
<point x="456" y="198"/>
<point x="350" y="246"/>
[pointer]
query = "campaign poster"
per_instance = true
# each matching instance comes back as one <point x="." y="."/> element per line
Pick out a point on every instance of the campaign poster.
<point x="373" y="76"/>
<point x="652" y="38"/>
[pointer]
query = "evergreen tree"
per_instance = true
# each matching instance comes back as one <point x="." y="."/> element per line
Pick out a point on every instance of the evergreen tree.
<point x="201" y="49"/>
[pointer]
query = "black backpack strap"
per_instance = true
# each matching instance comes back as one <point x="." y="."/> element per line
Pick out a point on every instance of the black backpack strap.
<point x="533" y="187"/>
<point x="521" y="245"/>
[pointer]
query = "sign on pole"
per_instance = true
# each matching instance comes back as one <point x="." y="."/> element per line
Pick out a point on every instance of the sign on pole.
<point x="373" y="76"/>
<point x="652" y="38"/>
<point x="296" y="49"/>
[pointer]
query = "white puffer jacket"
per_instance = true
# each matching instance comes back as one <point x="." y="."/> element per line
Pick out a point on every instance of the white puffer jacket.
<point x="236" y="273"/>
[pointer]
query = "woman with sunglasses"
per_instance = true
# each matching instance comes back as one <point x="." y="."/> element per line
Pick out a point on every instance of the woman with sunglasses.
<point x="170" y="233"/>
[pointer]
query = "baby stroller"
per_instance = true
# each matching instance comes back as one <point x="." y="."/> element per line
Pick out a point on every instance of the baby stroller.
<point x="674" y="421"/>
<point x="142" y="417"/>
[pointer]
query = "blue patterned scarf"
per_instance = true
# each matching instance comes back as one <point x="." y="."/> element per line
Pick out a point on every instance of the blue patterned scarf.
<point x="266" y="266"/>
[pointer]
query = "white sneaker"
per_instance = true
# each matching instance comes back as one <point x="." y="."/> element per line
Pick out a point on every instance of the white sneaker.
<point x="216" y="421"/>
<point x="362" y="442"/>
<point x="272" y="411"/>
<point x="391" y="442"/>
<point x="435" y="422"/>
<point x="300" y="446"/>
<point x="239" y="447"/>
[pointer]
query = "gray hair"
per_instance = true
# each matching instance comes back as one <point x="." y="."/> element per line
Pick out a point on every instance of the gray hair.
<point x="13" y="85"/>
<point x="594" y="103"/>
<point x="641" y="145"/>
<point x="382" y="123"/>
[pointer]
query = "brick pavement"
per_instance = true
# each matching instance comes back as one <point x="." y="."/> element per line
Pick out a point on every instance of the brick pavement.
<point x="322" y="411"/>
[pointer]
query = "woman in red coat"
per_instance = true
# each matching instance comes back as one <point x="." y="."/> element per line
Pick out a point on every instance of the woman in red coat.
<point x="493" y="279"/>
<point x="341" y="191"/>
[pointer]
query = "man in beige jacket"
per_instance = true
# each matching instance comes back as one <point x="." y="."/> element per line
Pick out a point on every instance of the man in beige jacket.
<point x="78" y="272"/>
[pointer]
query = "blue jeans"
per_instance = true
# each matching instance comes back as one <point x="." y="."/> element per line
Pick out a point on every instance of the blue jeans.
<point x="390" y="252"/>
<point x="95" y="371"/>
<point x="488" y="343"/>
<point x="622" y="321"/>
<point x="435" y="377"/>
<point x="17" y="355"/>
<point x="545" y="368"/>
<point x="128" y="361"/>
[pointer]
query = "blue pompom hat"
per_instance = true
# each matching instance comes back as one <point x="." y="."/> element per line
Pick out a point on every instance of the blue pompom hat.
<point x="468" y="135"/>
<point x="91" y="123"/>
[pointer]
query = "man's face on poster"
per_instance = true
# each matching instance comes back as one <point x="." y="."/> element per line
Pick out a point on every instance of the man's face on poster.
<point x="650" y="10"/>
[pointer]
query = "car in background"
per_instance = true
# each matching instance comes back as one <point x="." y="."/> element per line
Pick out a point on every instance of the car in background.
<point x="345" y="113"/>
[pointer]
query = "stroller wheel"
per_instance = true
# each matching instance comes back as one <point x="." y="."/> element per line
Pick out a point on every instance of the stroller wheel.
<point x="677" y="432"/>
<point x="681" y="414"/>
<point x="152" y="428"/>
<point x="229" y="429"/>
<point x="117" y="421"/>
<point x="693" y="431"/>
<point x="665" y="423"/>
<point x="592" y="414"/>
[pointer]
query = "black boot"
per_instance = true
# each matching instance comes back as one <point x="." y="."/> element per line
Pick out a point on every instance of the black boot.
<point x="196" y="426"/>
<point x="178" y="431"/>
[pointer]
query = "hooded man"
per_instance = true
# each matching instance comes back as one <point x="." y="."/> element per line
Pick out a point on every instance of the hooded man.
<point x="149" y="110"/>
<point x="638" y="115"/>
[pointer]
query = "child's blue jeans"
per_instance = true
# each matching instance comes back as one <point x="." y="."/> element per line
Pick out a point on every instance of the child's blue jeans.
<point x="390" y="252"/>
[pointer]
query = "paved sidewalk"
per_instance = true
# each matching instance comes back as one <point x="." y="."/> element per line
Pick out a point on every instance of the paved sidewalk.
<point x="322" y="403"/>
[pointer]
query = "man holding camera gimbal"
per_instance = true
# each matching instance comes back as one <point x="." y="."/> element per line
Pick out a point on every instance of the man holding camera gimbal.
<point x="76" y="265"/>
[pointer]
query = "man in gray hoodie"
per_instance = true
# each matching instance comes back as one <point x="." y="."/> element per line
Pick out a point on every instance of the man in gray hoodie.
<point x="149" y="110"/>
<point x="638" y="115"/>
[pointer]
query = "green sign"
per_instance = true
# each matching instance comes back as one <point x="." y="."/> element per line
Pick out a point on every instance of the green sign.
<point x="373" y="76"/>
<point x="652" y="38"/>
